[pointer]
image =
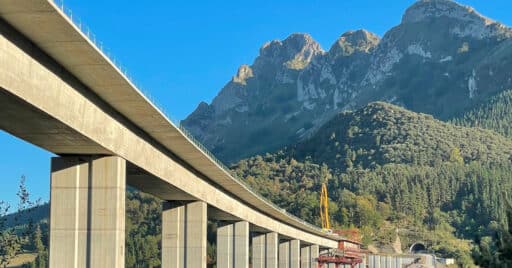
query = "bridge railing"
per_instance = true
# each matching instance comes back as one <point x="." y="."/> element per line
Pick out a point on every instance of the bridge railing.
<point x="84" y="29"/>
<point x="191" y="137"/>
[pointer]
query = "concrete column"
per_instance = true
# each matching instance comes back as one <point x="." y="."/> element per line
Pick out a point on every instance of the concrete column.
<point x="284" y="255"/>
<point x="173" y="235"/>
<point x="305" y="257"/>
<point x="314" y="253"/>
<point x="376" y="262"/>
<point x="184" y="235"/>
<point x="258" y="251"/>
<point x="233" y="245"/>
<point x="241" y="245"/>
<point x="295" y="254"/>
<point x="87" y="214"/>
<point x="225" y="250"/>
<point x="271" y="250"/>
<point x="383" y="261"/>
<point x="289" y="254"/>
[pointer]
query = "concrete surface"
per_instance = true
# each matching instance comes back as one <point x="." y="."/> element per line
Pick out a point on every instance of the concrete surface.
<point x="295" y="253"/>
<point x="225" y="246"/>
<point x="87" y="223"/>
<point x="314" y="252"/>
<point x="66" y="81"/>
<point x="233" y="245"/>
<point x="271" y="250"/>
<point x="55" y="111"/>
<point x="305" y="257"/>
<point x="241" y="242"/>
<point x="184" y="234"/>
<point x="284" y="254"/>
<point x="258" y="251"/>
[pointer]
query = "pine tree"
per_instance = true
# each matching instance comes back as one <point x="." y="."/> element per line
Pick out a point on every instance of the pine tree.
<point x="37" y="240"/>
<point x="497" y="252"/>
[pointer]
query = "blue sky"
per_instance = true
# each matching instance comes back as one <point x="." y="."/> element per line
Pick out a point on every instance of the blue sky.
<point x="183" y="52"/>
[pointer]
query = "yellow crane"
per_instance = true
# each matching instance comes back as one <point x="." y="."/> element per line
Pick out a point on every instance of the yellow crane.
<point x="324" y="209"/>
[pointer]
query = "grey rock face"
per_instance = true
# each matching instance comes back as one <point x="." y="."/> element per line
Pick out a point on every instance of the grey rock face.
<point x="442" y="59"/>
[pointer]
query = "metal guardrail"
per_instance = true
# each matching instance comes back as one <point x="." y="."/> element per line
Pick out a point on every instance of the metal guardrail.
<point x="84" y="29"/>
<point x="242" y="182"/>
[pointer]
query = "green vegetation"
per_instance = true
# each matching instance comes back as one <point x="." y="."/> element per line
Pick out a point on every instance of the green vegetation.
<point x="495" y="115"/>
<point x="434" y="204"/>
<point x="143" y="230"/>
<point x="382" y="133"/>
<point x="24" y="241"/>
<point x="496" y="251"/>
<point x="391" y="171"/>
<point x="23" y="238"/>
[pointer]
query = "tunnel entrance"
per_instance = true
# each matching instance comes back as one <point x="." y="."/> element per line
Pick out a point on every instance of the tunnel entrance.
<point x="418" y="247"/>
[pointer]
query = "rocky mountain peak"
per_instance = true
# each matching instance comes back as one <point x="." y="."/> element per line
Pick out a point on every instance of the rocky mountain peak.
<point x="354" y="41"/>
<point x="442" y="59"/>
<point x="296" y="51"/>
<point x="243" y="73"/>
<point x="459" y="20"/>
<point x="429" y="9"/>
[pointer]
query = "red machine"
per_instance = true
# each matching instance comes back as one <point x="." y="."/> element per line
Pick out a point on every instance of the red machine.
<point x="348" y="253"/>
<point x="349" y="246"/>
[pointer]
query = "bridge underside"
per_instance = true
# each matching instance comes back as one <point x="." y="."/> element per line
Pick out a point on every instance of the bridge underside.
<point x="26" y="122"/>
<point x="106" y="134"/>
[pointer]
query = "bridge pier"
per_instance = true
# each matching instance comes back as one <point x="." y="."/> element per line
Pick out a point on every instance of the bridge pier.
<point x="184" y="229"/>
<point x="265" y="250"/>
<point x="271" y="250"/>
<point x="233" y="245"/>
<point x="295" y="253"/>
<point x="308" y="256"/>
<point x="258" y="251"/>
<point x="289" y="254"/>
<point x="284" y="254"/>
<point x="305" y="257"/>
<point x="87" y="218"/>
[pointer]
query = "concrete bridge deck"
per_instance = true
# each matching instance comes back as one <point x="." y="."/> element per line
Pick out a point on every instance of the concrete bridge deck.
<point x="60" y="92"/>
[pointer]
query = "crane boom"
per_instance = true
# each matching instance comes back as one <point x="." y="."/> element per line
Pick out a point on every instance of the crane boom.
<point x="324" y="208"/>
<point x="348" y="251"/>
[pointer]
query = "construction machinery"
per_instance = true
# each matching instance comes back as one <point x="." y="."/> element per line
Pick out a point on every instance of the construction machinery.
<point x="324" y="209"/>
<point x="349" y="250"/>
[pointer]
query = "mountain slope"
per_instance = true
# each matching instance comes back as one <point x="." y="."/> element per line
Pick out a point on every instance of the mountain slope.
<point x="495" y="114"/>
<point x="442" y="59"/>
<point x="381" y="133"/>
<point x="393" y="172"/>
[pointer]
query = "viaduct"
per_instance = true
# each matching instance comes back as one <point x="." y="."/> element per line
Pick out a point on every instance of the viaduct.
<point x="60" y="92"/>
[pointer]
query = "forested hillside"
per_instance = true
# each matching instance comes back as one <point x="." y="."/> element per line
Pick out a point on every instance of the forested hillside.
<point x="390" y="171"/>
<point x="495" y="114"/>
<point x="25" y="232"/>
<point x="496" y="251"/>
<point x="381" y="133"/>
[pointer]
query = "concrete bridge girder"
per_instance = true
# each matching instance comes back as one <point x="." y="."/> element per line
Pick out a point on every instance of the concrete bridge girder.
<point x="60" y="93"/>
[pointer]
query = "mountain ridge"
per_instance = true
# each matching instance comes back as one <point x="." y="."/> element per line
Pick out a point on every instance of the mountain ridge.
<point x="381" y="133"/>
<point x="442" y="59"/>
